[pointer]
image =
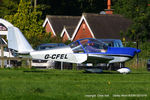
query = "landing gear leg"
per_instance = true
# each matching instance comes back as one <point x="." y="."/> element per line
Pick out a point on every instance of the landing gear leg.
<point x="108" y="66"/>
<point x="93" y="69"/>
<point x="122" y="65"/>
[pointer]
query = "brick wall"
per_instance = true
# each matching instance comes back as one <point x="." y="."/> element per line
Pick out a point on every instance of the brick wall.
<point x="65" y="37"/>
<point x="83" y="32"/>
<point x="48" y="29"/>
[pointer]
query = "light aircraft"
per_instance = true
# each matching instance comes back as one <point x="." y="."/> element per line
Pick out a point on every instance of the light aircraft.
<point x="86" y="50"/>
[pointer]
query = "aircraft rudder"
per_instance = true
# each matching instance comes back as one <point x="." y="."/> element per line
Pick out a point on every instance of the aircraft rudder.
<point x="17" y="41"/>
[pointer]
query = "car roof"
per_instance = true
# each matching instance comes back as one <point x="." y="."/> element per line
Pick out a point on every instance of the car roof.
<point x="109" y="39"/>
<point x="51" y="44"/>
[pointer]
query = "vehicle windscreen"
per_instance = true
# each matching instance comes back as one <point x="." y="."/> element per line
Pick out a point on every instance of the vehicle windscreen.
<point x="88" y="46"/>
<point x="49" y="46"/>
<point x="112" y="43"/>
<point x="46" y="47"/>
<point x="118" y="44"/>
<point x="109" y="43"/>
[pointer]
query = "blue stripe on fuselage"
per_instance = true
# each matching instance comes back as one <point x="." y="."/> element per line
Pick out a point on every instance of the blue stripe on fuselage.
<point x="118" y="51"/>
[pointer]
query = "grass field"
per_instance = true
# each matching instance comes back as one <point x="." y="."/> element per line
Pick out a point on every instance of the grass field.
<point x="25" y="84"/>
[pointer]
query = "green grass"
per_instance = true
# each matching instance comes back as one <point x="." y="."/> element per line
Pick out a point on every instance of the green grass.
<point x="15" y="84"/>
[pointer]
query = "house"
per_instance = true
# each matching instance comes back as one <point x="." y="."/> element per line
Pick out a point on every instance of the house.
<point x="89" y="25"/>
<point x="61" y="25"/>
<point x="101" y="26"/>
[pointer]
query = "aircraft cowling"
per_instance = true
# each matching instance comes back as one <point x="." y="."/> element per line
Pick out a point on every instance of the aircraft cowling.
<point x="127" y="51"/>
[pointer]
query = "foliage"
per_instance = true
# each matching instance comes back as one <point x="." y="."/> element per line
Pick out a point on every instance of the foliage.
<point x="28" y="21"/>
<point x="8" y="7"/>
<point x="130" y="8"/>
<point x="140" y="29"/>
<point x="138" y="11"/>
<point x="49" y="39"/>
<point x="67" y="42"/>
<point x="143" y="46"/>
<point x="144" y="55"/>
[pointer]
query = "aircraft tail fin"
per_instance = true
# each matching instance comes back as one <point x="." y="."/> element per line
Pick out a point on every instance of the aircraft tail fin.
<point x="17" y="41"/>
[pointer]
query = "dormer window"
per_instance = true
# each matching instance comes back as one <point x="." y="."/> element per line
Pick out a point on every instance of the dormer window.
<point x="84" y="26"/>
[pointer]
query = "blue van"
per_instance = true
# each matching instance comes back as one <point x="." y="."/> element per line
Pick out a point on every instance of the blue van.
<point x="112" y="42"/>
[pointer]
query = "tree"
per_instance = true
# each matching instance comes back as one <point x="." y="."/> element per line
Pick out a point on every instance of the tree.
<point x="130" y="8"/>
<point x="28" y="21"/>
<point x="8" y="7"/>
<point x="139" y="29"/>
<point x="139" y="12"/>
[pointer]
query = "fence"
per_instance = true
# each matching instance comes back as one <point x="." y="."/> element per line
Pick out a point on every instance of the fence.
<point x="3" y="58"/>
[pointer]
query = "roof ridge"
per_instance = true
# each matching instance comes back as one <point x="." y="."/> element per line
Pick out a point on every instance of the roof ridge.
<point x="61" y="16"/>
<point x="96" y="14"/>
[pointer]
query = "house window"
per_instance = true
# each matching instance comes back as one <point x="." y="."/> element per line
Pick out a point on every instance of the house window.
<point x="83" y="27"/>
<point x="2" y="27"/>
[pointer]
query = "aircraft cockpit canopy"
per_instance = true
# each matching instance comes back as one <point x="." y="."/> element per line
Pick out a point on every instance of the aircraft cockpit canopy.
<point x="88" y="45"/>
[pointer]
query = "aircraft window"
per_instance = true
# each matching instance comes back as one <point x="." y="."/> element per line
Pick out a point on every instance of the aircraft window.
<point x="76" y="47"/>
<point x="74" y="44"/>
<point x="88" y="46"/>
<point x="84" y="42"/>
<point x="95" y="46"/>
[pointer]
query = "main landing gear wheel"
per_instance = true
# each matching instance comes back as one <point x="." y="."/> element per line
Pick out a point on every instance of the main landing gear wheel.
<point x="124" y="70"/>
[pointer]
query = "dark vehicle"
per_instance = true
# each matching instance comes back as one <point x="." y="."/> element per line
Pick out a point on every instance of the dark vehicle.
<point x="49" y="46"/>
<point x="112" y="42"/>
<point x="148" y="64"/>
<point x="37" y="63"/>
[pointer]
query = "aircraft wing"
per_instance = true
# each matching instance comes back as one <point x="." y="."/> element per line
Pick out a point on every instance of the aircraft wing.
<point x="97" y="58"/>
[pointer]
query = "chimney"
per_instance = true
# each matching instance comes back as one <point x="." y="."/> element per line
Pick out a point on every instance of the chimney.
<point x="109" y="10"/>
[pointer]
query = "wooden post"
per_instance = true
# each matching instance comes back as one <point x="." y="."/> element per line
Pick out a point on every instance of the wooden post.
<point x="35" y="3"/>
<point x="9" y="57"/>
<point x="30" y="62"/>
<point x="137" y="46"/>
<point x="2" y="55"/>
